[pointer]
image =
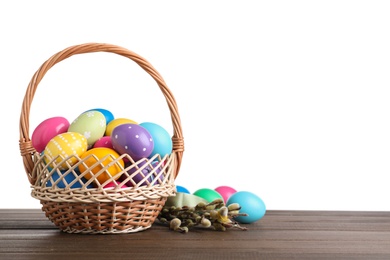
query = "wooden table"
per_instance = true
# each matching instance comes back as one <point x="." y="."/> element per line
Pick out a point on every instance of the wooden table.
<point x="27" y="234"/>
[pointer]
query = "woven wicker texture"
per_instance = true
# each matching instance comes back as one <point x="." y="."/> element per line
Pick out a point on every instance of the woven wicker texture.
<point x="79" y="205"/>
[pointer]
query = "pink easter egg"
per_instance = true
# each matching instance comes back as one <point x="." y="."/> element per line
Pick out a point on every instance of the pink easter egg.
<point x="104" y="141"/>
<point x="47" y="130"/>
<point x="225" y="192"/>
<point x="114" y="184"/>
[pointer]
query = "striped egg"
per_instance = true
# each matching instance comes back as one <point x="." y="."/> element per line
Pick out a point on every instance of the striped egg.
<point x="65" y="145"/>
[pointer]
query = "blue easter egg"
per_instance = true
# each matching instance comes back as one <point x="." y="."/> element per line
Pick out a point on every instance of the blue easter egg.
<point x="161" y="138"/>
<point x="66" y="180"/>
<point x="107" y="114"/>
<point x="182" y="189"/>
<point x="250" y="203"/>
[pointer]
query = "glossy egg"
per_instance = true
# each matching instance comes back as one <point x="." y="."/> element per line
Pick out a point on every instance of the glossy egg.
<point x="161" y="139"/>
<point x="182" y="189"/>
<point x="107" y="114"/>
<point x="139" y="174"/>
<point x="208" y="194"/>
<point x="105" y="157"/>
<point x="91" y="124"/>
<point x="132" y="139"/>
<point x="115" y="122"/>
<point x="46" y="130"/>
<point x="65" y="179"/>
<point x="250" y="203"/>
<point x="65" y="145"/>
<point x="142" y="173"/>
<point x="115" y="184"/>
<point x="104" y="141"/>
<point x="225" y="191"/>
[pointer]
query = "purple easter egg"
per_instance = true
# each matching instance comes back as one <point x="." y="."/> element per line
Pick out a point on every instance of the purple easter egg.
<point x="132" y="139"/>
<point x="143" y="177"/>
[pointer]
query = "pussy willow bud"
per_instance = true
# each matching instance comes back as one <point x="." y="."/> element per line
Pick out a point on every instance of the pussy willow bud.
<point x="219" y="227"/>
<point x="234" y="206"/>
<point x="198" y="219"/>
<point x="223" y="215"/>
<point x="210" y="207"/>
<point x="217" y="201"/>
<point x="189" y="223"/>
<point x="223" y="212"/>
<point x="234" y="212"/>
<point x="201" y="204"/>
<point x="175" y="223"/>
<point x="184" y="229"/>
<point x="213" y="214"/>
<point x="205" y="222"/>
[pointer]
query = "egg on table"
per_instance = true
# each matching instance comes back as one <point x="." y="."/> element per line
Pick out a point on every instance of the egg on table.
<point x="250" y="204"/>
<point x="225" y="191"/>
<point x="208" y="194"/>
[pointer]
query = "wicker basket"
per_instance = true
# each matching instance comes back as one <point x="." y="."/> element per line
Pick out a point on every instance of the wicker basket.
<point x="98" y="210"/>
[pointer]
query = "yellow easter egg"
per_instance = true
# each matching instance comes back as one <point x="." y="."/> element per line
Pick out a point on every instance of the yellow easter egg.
<point x="65" y="145"/>
<point x="104" y="156"/>
<point x="115" y="122"/>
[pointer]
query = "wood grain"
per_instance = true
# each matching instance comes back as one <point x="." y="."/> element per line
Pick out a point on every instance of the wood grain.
<point x="27" y="234"/>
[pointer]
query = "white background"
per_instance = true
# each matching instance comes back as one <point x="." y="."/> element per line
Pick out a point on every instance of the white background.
<point x="286" y="99"/>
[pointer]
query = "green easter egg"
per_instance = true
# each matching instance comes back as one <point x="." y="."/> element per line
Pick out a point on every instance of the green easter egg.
<point x="91" y="124"/>
<point x="208" y="194"/>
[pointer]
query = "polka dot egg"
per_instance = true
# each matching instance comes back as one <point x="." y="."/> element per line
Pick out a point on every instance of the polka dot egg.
<point x="132" y="139"/>
<point x="65" y="145"/>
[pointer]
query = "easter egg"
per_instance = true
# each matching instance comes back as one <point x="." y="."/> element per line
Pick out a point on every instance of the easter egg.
<point x="225" y="191"/>
<point x="104" y="141"/>
<point x="157" y="178"/>
<point x="208" y="194"/>
<point x="250" y="203"/>
<point x="95" y="159"/>
<point x="142" y="173"/>
<point x="65" y="145"/>
<point x="114" y="184"/>
<point x="161" y="139"/>
<point x="46" y="130"/>
<point x="107" y="114"/>
<point x="115" y="122"/>
<point x="182" y="189"/>
<point x="64" y="179"/>
<point x="132" y="139"/>
<point x="91" y="124"/>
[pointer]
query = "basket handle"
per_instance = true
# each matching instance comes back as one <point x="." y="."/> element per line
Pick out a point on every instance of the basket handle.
<point x="27" y="150"/>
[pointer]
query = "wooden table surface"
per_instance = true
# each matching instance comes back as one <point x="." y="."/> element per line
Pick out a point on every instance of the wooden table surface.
<point x="28" y="234"/>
